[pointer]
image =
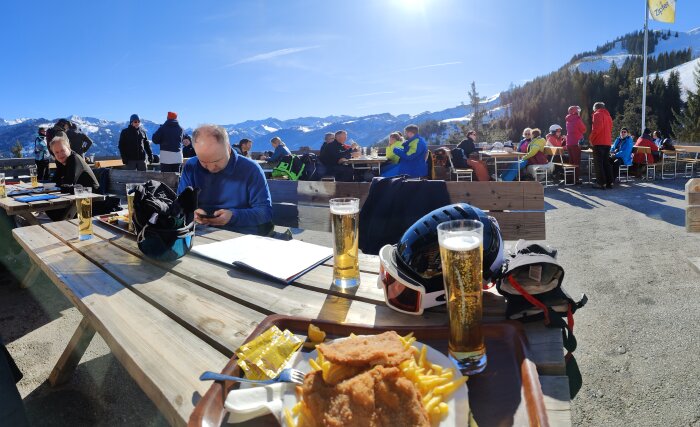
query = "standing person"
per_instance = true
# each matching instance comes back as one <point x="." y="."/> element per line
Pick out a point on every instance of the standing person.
<point x="41" y="155"/>
<point x="134" y="146"/>
<point x="554" y="137"/>
<point x="187" y="147"/>
<point x="281" y="150"/>
<point x="335" y="155"/>
<point x="413" y="154"/>
<point x="243" y="147"/>
<point x="621" y="152"/>
<point x="169" y="136"/>
<point x="79" y="142"/>
<point x="574" y="133"/>
<point x="601" y="134"/>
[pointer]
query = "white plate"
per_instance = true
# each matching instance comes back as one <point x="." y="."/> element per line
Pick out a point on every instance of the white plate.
<point x="458" y="403"/>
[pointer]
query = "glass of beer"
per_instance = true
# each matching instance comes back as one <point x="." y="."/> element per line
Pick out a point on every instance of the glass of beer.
<point x="461" y="251"/>
<point x="3" y="192"/>
<point x="130" y="188"/>
<point x="345" y="215"/>
<point x="33" y="175"/>
<point x="83" y="204"/>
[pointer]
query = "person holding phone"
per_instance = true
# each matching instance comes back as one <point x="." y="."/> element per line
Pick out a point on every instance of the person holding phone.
<point x="233" y="190"/>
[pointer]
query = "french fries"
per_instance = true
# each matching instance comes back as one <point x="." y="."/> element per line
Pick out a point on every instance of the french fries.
<point x="434" y="382"/>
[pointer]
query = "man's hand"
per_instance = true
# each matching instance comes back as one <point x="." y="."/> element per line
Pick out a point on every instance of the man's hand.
<point x="221" y="217"/>
<point x="342" y="160"/>
<point x="355" y="154"/>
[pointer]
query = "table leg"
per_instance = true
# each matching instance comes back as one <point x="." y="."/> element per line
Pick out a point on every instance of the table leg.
<point x="495" y="167"/>
<point x="75" y="349"/>
<point x="70" y="212"/>
<point x="28" y="217"/>
<point x="31" y="275"/>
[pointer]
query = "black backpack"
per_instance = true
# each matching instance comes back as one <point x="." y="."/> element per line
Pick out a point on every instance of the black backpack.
<point x="458" y="158"/>
<point x="310" y="172"/>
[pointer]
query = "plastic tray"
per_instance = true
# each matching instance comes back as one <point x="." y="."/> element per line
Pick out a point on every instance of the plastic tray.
<point x="507" y="393"/>
<point x="120" y="225"/>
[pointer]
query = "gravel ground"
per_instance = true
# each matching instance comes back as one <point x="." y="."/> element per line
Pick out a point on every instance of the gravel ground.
<point x="638" y="344"/>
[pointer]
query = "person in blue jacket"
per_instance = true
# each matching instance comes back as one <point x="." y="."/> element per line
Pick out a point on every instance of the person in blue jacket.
<point x="621" y="151"/>
<point x="281" y="150"/>
<point x="233" y="190"/>
<point x="413" y="154"/>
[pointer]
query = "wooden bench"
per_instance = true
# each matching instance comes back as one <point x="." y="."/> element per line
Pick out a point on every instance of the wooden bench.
<point x="118" y="178"/>
<point x="109" y="163"/>
<point x="688" y="155"/>
<point x="518" y="206"/>
<point x="651" y="167"/>
<point x="569" y="169"/>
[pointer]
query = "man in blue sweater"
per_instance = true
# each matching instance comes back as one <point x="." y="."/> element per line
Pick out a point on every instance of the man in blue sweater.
<point x="233" y="189"/>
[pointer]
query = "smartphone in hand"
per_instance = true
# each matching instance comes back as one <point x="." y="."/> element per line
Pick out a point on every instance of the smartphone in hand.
<point x="207" y="216"/>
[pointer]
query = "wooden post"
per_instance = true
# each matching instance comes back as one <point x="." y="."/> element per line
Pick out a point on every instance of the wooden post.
<point x="692" y="211"/>
<point x="75" y="349"/>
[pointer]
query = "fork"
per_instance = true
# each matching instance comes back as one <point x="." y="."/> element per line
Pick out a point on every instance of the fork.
<point x="288" y="375"/>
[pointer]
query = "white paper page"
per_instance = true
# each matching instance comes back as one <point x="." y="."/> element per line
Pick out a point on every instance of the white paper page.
<point x="278" y="258"/>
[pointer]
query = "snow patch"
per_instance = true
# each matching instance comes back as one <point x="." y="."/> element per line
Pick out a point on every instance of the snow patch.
<point x="686" y="74"/>
<point x="269" y="128"/>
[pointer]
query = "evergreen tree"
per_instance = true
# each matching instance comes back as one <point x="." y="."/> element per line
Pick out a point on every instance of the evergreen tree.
<point x="16" y="149"/>
<point x="687" y="125"/>
<point x="477" y="110"/>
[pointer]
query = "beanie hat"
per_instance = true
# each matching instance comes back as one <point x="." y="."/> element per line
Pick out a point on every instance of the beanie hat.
<point x="172" y="115"/>
<point x="134" y="118"/>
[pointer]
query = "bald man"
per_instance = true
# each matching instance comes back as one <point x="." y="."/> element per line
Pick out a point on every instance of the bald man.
<point x="233" y="189"/>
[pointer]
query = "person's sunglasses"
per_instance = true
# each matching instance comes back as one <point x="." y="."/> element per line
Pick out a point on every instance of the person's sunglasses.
<point x="401" y="292"/>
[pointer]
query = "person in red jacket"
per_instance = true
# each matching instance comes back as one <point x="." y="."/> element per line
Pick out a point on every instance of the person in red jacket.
<point x="574" y="132"/>
<point x="640" y="160"/>
<point x="601" y="139"/>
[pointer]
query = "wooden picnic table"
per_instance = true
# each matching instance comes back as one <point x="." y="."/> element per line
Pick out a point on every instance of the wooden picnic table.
<point x="506" y="157"/>
<point x="367" y="162"/>
<point x="168" y="322"/>
<point x="26" y="210"/>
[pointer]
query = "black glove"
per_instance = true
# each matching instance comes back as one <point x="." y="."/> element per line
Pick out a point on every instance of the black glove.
<point x="150" y="158"/>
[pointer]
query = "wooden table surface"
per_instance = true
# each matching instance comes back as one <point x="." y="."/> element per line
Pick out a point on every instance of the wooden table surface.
<point x="169" y="322"/>
<point x="366" y="160"/>
<point x="11" y="206"/>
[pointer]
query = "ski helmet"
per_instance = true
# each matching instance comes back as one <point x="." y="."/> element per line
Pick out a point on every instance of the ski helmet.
<point x="554" y="128"/>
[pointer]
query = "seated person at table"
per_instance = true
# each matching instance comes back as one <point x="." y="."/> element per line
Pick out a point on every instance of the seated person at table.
<point x="640" y="160"/>
<point x="391" y="167"/>
<point x="71" y="169"/>
<point x="281" y="150"/>
<point x="334" y="157"/>
<point x="621" y="152"/>
<point x="468" y="145"/>
<point x="554" y="137"/>
<point x="522" y="147"/>
<point x="413" y="154"/>
<point x="243" y="147"/>
<point x="536" y="160"/>
<point x="233" y="188"/>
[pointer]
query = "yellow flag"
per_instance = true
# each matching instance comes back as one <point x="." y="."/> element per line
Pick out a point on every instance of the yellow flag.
<point x="663" y="10"/>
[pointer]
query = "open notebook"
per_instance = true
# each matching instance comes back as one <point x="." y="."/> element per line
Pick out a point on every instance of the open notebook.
<point x="278" y="259"/>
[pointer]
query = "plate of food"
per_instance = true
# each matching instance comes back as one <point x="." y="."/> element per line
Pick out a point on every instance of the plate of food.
<point x="382" y="379"/>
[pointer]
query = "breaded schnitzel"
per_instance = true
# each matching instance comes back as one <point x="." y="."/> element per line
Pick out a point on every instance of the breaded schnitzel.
<point x="378" y="397"/>
<point x="385" y="349"/>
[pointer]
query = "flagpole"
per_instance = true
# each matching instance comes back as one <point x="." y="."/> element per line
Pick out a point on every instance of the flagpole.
<point x="644" y="78"/>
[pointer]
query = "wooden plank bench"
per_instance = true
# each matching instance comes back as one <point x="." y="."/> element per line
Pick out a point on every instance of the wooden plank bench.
<point x="118" y="178"/>
<point x="568" y="168"/>
<point x="117" y="163"/>
<point x="518" y="206"/>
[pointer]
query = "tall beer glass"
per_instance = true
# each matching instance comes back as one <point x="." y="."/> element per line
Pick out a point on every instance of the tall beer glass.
<point x="345" y="215"/>
<point x="3" y="192"/>
<point x="130" y="203"/>
<point x="83" y="204"/>
<point x="461" y="251"/>
<point x="33" y="176"/>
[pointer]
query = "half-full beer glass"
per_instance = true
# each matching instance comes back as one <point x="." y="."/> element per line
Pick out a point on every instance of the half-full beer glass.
<point x="3" y="192"/>
<point x="345" y="214"/>
<point x="33" y="176"/>
<point x="461" y="247"/>
<point x="83" y="204"/>
<point x="130" y="188"/>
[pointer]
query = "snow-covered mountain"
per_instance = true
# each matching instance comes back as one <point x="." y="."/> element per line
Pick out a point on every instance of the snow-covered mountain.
<point x="687" y="78"/>
<point x="617" y="54"/>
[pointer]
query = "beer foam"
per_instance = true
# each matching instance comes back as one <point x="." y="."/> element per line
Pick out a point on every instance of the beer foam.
<point x="344" y="210"/>
<point x="461" y="243"/>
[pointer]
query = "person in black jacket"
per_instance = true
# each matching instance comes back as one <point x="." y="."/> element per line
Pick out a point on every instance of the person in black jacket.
<point x="334" y="156"/>
<point x="134" y="146"/>
<point x="187" y="147"/>
<point x="468" y="145"/>
<point x="71" y="169"/>
<point x="79" y="142"/>
<point x="169" y="136"/>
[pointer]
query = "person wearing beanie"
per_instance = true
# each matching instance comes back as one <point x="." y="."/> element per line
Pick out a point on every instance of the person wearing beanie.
<point x="41" y="155"/>
<point x="169" y="136"/>
<point x="601" y="139"/>
<point x="134" y="146"/>
<point x="574" y="133"/>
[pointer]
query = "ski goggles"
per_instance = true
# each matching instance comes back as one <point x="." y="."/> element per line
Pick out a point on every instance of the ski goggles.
<point x="403" y="293"/>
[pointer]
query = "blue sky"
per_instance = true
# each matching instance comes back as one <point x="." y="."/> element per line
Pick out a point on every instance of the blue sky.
<point x="230" y="61"/>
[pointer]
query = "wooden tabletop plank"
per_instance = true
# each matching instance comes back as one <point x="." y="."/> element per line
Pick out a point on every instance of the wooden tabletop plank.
<point x="556" y="399"/>
<point x="219" y="321"/>
<point x="164" y="358"/>
<point x="269" y="296"/>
